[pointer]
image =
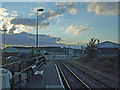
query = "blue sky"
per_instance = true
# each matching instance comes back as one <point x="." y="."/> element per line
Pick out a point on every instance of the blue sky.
<point x="72" y="22"/>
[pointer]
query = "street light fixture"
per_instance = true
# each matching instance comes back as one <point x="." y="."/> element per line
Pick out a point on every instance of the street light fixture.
<point x="37" y="36"/>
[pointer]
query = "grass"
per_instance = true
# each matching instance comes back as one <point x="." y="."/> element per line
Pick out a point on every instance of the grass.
<point x="16" y="66"/>
<point x="23" y="64"/>
<point x="104" y="65"/>
<point x="7" y="61"/>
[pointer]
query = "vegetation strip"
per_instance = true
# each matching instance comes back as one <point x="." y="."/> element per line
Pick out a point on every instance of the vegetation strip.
<point x="92" y="77"/>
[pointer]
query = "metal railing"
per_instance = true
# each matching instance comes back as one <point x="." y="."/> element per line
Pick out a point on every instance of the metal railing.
<point x="22" y="70"/>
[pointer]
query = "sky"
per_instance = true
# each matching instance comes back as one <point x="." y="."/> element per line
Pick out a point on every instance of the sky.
<point x="71" y="22"/>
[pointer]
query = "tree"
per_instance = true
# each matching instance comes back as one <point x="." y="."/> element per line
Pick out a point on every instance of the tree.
<point x="32" y="52"/>
<point x="92" y="49"/>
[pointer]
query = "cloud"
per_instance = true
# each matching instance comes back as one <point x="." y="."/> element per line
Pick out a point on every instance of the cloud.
<point x="103" y="8"/>
<point x="67" y="6"/>
<point x="29" y="22"/>
<point x="3" y="12"/>
<point x="12" y="28"/>
<point x="46" y="16"/>
<point x="21" y="28"/>
<point x="16" y="25"/>
<point x="5" y="19"/>
<point x="43" y="18"/>
<point x="72" y="11"/>
<point x="31" y="14"/>
<point x="51" y="14"/>
<point x="76" y="30"/>
<point x="14" y="12"/>
<point x="14" y="15"/>
<point x="59" y="11"/>
<point x="26" y="39"/>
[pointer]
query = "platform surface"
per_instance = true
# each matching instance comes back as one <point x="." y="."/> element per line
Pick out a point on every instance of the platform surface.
<point x="50" y="77"/>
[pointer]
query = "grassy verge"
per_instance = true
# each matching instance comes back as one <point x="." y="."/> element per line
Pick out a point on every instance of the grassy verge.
<point x="108" y="66"/>
<point x="7" y="61"/>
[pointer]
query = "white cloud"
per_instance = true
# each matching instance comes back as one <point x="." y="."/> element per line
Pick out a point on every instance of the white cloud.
<point x="58" y="20"/>
<point x="76" y="30"/>
<point x="14" y="15"/>
<point x="44" y="17"/>
<point x="11" y="28"/>
<point x="6" y="21"/>
<point x="103" y="8"/>
<point x="72" y="11"/>
<point x="64" y="3"/>
<point x="30" y="22"/>
<point x="48" y="15"/>
<point x="3" y="12"/>
<point x="31" y="14"/>
<point x="22" y="28"/>
<point x="14" y="12"/>
<point x="68" y="6"/>
<point x="60" y="3"/>
<point x="20" y="24"/>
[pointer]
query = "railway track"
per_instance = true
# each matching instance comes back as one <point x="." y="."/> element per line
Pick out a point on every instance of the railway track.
<point x="91" y="81"/>
<point x="100" y="78"/>
<point x="70" y="79"/>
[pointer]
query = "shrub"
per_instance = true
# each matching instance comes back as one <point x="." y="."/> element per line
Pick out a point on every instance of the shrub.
<point x="91" y="48"/>
<point x="34" y="55"/>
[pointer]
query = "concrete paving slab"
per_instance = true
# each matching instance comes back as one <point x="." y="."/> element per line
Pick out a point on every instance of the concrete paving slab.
<point x="50" y="77"/>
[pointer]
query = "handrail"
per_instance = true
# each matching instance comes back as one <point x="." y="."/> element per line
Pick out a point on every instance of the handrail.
<point x="26" y="70"/>
<point x="17" y="62"/>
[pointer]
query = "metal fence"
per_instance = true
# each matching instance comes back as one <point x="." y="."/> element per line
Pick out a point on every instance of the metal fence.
<point x="22" y="70"/>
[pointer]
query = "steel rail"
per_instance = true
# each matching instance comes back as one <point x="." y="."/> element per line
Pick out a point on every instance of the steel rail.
<point x="78" y="78"/>
<point x="91" y="77"/>
<point x="65" y="82"/>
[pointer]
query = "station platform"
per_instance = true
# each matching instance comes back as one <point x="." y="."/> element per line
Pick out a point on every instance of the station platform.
<point x="50" y="77"/>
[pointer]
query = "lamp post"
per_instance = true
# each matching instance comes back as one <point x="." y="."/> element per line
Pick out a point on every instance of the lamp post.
<point x="4" y="32"/>
<point x="78" y="49"/>
<point x="37" y="36"/>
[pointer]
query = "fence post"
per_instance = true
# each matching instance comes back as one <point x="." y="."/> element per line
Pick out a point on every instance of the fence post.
<point x="27" y="70"/>
<point x="20" y="74"/>
<point x="13" y="73"/>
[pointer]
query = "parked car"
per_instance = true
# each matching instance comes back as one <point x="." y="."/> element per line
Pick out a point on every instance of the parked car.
<point x="12" y="57"/>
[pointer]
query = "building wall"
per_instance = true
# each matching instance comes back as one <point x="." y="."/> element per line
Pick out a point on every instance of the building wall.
<point x="108" y="50"/>
<point x="15" y="51"/>
<point x="63" y="57"/>
<point x="22" y="50"/>
<point x="11" y="54"/>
